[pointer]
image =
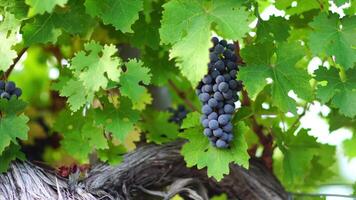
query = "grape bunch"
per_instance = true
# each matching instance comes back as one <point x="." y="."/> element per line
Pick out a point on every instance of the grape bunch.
<point x="178" y="114"/>
<point x="218" y="93"/>
<point x="9" y="90"/>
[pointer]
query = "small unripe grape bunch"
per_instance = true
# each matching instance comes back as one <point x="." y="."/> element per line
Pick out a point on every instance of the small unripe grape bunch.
<point x="218" y="93"/>
<point x="9" y="90"/>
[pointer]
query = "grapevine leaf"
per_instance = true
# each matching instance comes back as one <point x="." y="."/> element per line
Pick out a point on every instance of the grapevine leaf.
<point x="40" y="7"/>
<point x="10" y="154"/>
<point x="191" y="120"/>
<point x="113" y="155"/>
<point x="76" y="93"/>
<point x="154" y="121"/>
<point x="198" y="151"/>
<point x="334" y="37"/>
<point x="16" y="7"/>
<point x="120" y="13"/>
<point x="41" y="29"/>
<point x="120" y="122"/>
<point x="276" y="28"/>
<point x="12" y="106"/>
<point x="71" y="144"/>
<point x="302" y="6"/>
<point x="9" y="27"/>
<point x="96" y="63"/>
<point x="285" y="75"/>
<point x="354" y="189"/>
<point x="187" y="25"/>
<point x="9" y="132"/>
<point x="342" y="94"/>
<point x="130" y="82"/>
<point x="349" y="147"/>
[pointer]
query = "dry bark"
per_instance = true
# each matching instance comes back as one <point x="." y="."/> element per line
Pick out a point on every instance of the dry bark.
<point x="150" y="172"/>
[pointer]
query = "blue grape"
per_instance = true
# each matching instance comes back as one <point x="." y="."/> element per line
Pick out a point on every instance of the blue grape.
<point x="215" y="87"/>
<point x="224" y="119"/>
<point x="207" y="88"/>
<point x="208" y="132"/>
<point x="233" y="84"/>
<point x="225" y="136"/>
<point x="228" y="127"/>
<point x="204" y="97"/>
<point x="218" y="132"/>
<point x="223" y="87"/>
<point x="221" y="111"/>
<point x="213" y="124"/>
<point x="206" y="109"/>
<point x="205" y="123"/>
<point x="220" y="105"/>
<point x="227" y="95"/>
<point x="219" y="79"/>
<point x="207" y="79"/>
<point x="5" y="95"/>
<point x="214" y="57"/>
<point x="223" y="43"/>
<point x="212" y="102"/>
<point x="231" y="47"/>
<point x="230" y="137"/>
<point x="10" y="87"/>
<point x="219" y="65"/>
<point x="229" y="109"/>
<point x="227" y="53"/>
<point x="227" y="77"/>
<point x="231" y="65"/>
<point x="213" y="115"/>
<point x="215" y="74"/>
<point x="17" y="92"/>
<point x="215" y="40"/>
<point x="219" y="49"/>
<point x="221" y="143"/>
<point x="218" y="96"/>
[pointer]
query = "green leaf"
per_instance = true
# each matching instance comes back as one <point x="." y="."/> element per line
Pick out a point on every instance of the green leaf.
<point x="41" y="29"/>
<point x="9" y="27"/>
<point x="10" y="154"/>
<point x="276" y="28"/>
<point x="96" y="65"/>
<point x="349" y="147"/>
<point x="285" y="75"/>
<point x="9" y="132"/>
<point x="119" y="13"/>
<point x="40" y="7"/>
<point x="130" y="81"/>
<point x="187" y="25"/>
<point x="113" y="155"/>
<point x="16" y="7"/>
<point x="12" y="106"/>
<point x="334" y="37"/>
<point x="120" y="122"/>
<point x="302" y="6"/>
<point x="341" y="94"/>
<point x="153" y="123"/>
<point x="198" y="151"/>
<point x="76" y="93"/>
<point x="354" y="189"/>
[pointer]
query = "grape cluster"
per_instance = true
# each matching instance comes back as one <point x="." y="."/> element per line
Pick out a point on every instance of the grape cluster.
<point x="178" y="114"/>
<point x="9" y="90"/>
<point x="218" y="93"/>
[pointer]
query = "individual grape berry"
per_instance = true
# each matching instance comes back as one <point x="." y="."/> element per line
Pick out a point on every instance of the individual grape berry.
<point x="213" y="124"/>
<point x="207" y="79"/>
<point x="225" y="136"/>
<point x="223" y="42"/>
<point x="233" y="84"/>
<point x="10" y="87"/>
<point x="227" y="95"/>
<point x="213" y="115"/>
<point x="227" y="77"/>
<point x="207" y="88"/>
<point x="212" y="103"/>
<point x="208" y="132"/>
<point x="229" y="109"/>
<point x="220" y="105"/>
<point x="219" y="65"/>
<point x="224" y="119"/>
<point x="215" y="87"/>
<point x="206" y="109"/>
<point x="230" y="137"/>
<point x="231" y="47"/>
<point x="228" y="54"/>
<point x="228" y="127"/>
<point x="5" y="95"/>
<point x="204" y="97"/>
<point x="218" y="96"/>
<point x="205" y="123"/>
<point x="215" y="40"/>
<point x="219" y="79"/>
<point x="221" y="143"/>
<point x="231" y="65"/>
<point x="219" y="49"/>
<point x="233" y="73"/>
<point x="218" y="132"/>
<point x="215" y="74"/>
<point x="223" y="87"/>
<point x="213" y="57"/>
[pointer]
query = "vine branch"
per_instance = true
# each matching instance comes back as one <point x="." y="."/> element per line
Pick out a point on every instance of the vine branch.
<point x="6" y="74"/>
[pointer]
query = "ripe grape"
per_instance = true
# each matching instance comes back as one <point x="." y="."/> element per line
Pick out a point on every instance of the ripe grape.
<point x="218" y="93"/>
<point x="9" y="90"/>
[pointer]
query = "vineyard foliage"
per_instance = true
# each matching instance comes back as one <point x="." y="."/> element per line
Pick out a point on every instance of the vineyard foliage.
<point x="89" y="70"/>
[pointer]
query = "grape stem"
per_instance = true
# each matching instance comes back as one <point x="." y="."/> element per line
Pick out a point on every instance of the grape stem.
<point x="181" y="94"/>
<point x="6" y="74"/>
